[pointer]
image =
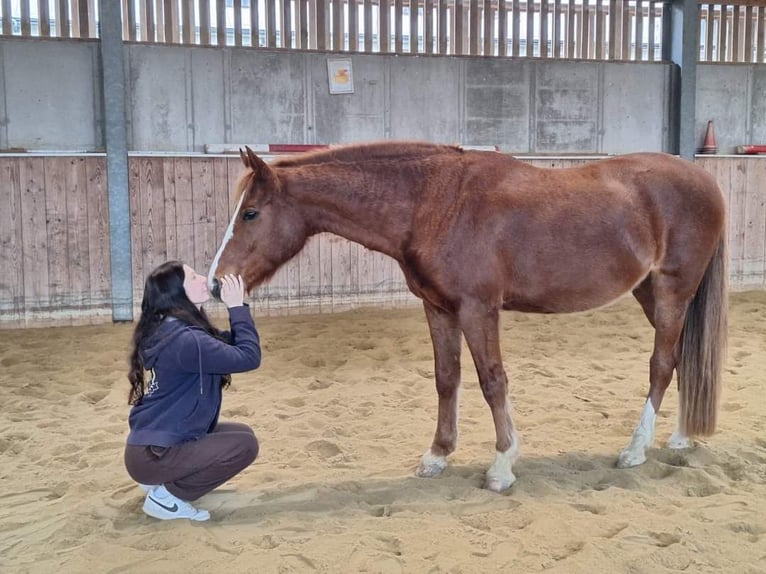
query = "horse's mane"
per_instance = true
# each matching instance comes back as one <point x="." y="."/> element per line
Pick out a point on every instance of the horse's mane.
<point x="354" y="153"/>
<point x="388" y="150"/>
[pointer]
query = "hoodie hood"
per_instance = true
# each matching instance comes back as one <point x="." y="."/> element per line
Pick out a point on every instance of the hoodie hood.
<point x="166" y="333"/>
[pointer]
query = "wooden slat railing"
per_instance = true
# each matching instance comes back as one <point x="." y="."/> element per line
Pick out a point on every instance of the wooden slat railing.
<point x="733" y="31"/>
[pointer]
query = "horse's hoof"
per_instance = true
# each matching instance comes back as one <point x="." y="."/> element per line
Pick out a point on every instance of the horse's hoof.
<point x="679" y="441"/>
<point x="630" y="458"/>
<point x="499" y="484"/>
<point x="431" y="465"/>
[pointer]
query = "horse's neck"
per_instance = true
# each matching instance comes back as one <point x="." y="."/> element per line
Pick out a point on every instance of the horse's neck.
<point x="367" y="206"/>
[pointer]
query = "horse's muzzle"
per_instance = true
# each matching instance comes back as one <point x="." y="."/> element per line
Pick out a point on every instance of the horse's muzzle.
<point x="215" y="288"/>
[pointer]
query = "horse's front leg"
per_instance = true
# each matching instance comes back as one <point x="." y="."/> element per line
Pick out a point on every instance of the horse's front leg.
<point x="479" y="323"/>
<point x="445" y="334"/>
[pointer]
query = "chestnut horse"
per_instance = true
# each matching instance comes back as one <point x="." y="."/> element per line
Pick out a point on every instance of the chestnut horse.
<point x="476" y="232"/>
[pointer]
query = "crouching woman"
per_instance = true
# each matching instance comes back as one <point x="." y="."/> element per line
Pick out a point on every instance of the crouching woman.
<point x="177" y="449"/>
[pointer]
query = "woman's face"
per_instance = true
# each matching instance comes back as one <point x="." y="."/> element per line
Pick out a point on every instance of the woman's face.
<point x="195" y="286"/>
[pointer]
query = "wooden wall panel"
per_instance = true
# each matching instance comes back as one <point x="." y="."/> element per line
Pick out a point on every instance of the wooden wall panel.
<point x="78" y="244"/>
<point x="55" y="193"/>
<point x="184" y="211"/>
<point x="54" y="237"/>
<point x="136" y="238"/>
<point x="35" y="239"/>
<point x="99" y="255"/>
<point x="152" y="225"/>
<point x="11" y="243"/>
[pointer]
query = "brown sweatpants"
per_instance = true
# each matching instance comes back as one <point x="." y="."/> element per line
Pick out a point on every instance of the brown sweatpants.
<point x="192" y="469"/>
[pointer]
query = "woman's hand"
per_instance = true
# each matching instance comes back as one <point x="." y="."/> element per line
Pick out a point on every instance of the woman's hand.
<point x="232" y="290"/>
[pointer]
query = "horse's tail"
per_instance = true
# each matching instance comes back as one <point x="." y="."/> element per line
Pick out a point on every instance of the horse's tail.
<point x="703" y="348"/>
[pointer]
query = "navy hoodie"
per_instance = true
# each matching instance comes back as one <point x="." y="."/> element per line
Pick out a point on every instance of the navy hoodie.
<point x="183" y="400"/>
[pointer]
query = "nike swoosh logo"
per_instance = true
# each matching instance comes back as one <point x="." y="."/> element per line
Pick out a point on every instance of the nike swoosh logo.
<point x="173" y="508"/>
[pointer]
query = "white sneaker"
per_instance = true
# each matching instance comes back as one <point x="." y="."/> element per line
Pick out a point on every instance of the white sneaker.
<point x="147" y="488"/>
<point x="161" y="504"/>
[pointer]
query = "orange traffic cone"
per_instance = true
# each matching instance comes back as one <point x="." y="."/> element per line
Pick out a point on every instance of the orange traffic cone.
<point x="709" y="145"/>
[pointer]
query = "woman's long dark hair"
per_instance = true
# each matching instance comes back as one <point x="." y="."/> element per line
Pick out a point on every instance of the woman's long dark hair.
<point x="164" y="296"/>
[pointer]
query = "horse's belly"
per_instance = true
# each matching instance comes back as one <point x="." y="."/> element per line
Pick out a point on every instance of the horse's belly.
<point x="569" y="292"/>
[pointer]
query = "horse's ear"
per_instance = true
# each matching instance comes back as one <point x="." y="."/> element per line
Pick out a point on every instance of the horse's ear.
<point x="255" y="163"/>
<point x="243" y="157"/>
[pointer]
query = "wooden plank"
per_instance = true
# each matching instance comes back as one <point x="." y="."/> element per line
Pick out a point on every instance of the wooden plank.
<point x="735" y="44"/>
<point x="398" y="26"/>
<point x="287" y="24"/>
<point x="598" y="38"/>
<point x="11" y="244"/>
<point x="63" y="29"/>
<point x="152" y="228"/>
<point x="368" y="31"/>
<point x="131" y="17"/>
<point x="473" y="27"/>
<point x="84" y="18"/>
<point x="220" y="22"/>
<point x="35" y="238"/>
<point x="754" y="248"/>
<point x="44" y="22"/>
<point x="149" y="29"/>
<point x="613" y="29"/>
<point x="78" y="243"/>
<point x="221" y="194"/>
<point x="99" y="255"/>
<point x="341" y="275"/>
<point x="25" y="20"/>
<point x="709" y="32"/>
<point x="502" y="28"/>
<point x="457" y="35"/>
<point x="585" y="29"/>
<point x="7" y="20"/>
<point x="385" y="27"/>
<point x="626" y="29"/>
<point x="488" y="20"/>
<point x="204" y="22"/>
<point x="543" y="28"/>
<point x="428" y="40"/>
<point x="172" y="22"/>
<point x="748" y="46"/>
<point x="56" y="228"/>
<point x="189" y="35"/>
<point x="309" y="272"/>
<point x="304" y="22"/>
<point x="184" y="209"/>
<point x="353" y="26"/>
<point x="136" y="237"/>
<point x="237" y="7"/>
<point x="638" y="48"/>
<point x="571" y="29"/>
<point x="271" y="23"/>
<point x="652" y="24"/>
<point x="761" y="34"/>
<point x="203" y="207"/>
<point x="530" y="29"/>
<point x="414" y="48"/>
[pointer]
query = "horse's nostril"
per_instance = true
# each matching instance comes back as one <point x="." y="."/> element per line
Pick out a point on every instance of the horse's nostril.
<point x="216" y="290"/>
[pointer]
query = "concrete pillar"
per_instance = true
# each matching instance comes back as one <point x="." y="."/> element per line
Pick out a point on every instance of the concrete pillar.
<point x="680" y="45"/>
<point x="115" y="136"/>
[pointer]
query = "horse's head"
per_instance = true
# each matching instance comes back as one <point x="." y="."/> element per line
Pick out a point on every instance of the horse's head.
<point x="265" y="231"/>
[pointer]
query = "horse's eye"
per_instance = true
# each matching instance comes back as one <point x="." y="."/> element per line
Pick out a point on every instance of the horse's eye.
<point x="249" y="215"/>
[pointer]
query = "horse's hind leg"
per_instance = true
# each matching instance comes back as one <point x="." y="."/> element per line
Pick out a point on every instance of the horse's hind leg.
<point x="445" y="334"/>
<point x="480" y="327"/>
<point x="665" y="308"/>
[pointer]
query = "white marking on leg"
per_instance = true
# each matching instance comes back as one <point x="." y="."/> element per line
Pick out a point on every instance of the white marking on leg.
<point x="643" y="437"/>
<point x="226" y="237"/>
<point x="679" y="440"/>
<point x="431" y="465"/>
<point x="500" y="475"/>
